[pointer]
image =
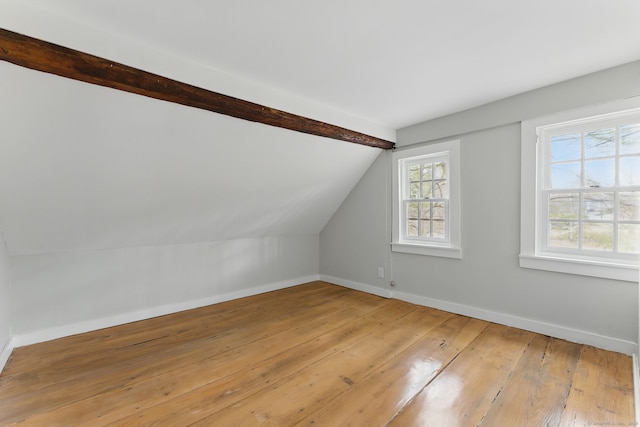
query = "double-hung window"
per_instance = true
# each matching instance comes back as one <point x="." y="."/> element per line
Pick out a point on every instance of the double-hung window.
<point x="426" y="208"/>
<point x="587" y="195"/>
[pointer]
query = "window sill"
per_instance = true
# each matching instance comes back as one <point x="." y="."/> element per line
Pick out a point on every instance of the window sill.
<point x="438" y="251"/>
<point x="605" y="270"/>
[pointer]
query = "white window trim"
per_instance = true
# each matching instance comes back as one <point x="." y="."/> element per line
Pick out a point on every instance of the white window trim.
<point x="530" y="256"/>
<point x="452" y="248"/>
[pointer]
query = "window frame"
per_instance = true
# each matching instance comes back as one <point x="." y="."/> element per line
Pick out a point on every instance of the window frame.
<point x="534" y="253"/>
<point x="449" y="246"/>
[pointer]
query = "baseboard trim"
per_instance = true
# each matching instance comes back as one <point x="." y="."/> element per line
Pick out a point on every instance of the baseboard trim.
<point x="20" y="340"/>
<point x="574" y="335"/>
<point x="386" y="293"/>
<point x="6" y="353"/>
<point x="556" y="331"/>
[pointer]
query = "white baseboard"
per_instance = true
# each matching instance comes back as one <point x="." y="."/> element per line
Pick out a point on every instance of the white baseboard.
<point x="20" y="340"/>
<point x="556" y="331"/>
<point x="6" y="353"/>
<point x="582" y="337"/>
<point x="386" y="293"/>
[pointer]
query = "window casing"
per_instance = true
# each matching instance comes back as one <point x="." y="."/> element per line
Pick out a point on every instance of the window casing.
<point x="586" y="192"/>
<point x="426" y="208"/>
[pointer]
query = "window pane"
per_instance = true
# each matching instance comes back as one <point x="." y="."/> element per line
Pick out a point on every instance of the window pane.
<point x="630" y="139"/>
<point x="600" y="143"/>
<point x="600" y="173"/>
<point x="597" y="206"/>
<point x="438" y="211"/>
<point x="630" y="171"/>
<point x="412" y="228"/>
<point x="597" y="236"/>
<point x="427" y="172"/>
<point x="629" y="206"/>
<point x="425" y="210"/>
<point x="426" y="190"/>
<point x="629" y="238"/>
<point x="414" y="190"/>
<point x="437" y="229"/>
<point x="563" y="234"/>
<point x="565" y="175"/>
<point x="414" y="173"/>
<point x="440" y="189"/>
<point x="412" y="212"/>
<point x="564" y="205"/>
<point x="440" y="170"/>
<point x="565" y="147"/>
<point x="425" y="229"/>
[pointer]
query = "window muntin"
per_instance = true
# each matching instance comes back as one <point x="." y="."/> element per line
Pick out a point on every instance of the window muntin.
<point x="426" y="207"/>
<point x="425" y="198"/>
<point x="589" y="197"/>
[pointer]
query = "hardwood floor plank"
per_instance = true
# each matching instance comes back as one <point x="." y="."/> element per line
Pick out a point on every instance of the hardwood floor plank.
<point x="238" y="324"/>
<point x="463" y="392"/>
<point x="314" y="386"/>
<point x="315" y="354"/>
<point x="92" y="379"/>
<point x="216" y="396"/>
<point x="375" y="400"/>
<point x="87" y="348"/>
<point x="539" y="387"/>
<point x="602" y="390"/>
<point x="149" y="390"/>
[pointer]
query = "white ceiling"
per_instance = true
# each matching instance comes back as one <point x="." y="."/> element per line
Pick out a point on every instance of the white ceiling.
<point x="83" y="167"/>
<point x="393" y="62"/>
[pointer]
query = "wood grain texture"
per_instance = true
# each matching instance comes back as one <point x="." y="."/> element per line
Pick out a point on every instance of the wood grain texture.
<point x="314" y="355"/>
<point x="378" y="398"/>
<point x="462" y="393"/>
<point x="539" y="382"/>
<point x="216" y="396"/>
<point x="54" y="59"/>
<point x="321" y="382"/>
<point x="602" y="392"/>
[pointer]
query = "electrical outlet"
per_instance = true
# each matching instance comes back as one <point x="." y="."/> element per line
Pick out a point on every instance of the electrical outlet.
<point x="380" y="272"/>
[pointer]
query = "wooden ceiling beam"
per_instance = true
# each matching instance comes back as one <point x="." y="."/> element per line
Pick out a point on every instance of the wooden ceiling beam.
<point x="50" y="58"/>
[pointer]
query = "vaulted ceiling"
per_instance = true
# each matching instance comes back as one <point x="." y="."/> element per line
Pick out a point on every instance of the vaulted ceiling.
<point x="392" y="62"/>
<point x="84" y="167"/>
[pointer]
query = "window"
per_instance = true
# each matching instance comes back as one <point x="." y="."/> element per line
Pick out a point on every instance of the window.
<point x="586" y="193"/>
<point x="426" y="208"/>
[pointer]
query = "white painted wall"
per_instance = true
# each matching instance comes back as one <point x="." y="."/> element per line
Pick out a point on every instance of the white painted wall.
<point x="5" y="302"/>
<point x="84" y="167"/>
<point x="488" y="281"/>
<point x="117" y="207"/>
<point x="65" y="293"/>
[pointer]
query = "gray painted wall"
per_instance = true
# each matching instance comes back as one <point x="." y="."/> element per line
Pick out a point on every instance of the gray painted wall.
<point x="355" y="242"/>
<point x="488" y="278"/>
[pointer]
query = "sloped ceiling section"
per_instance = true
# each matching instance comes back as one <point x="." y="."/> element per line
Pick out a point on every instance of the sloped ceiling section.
<point x="395" y="62"/>
<point x="84" y="167"/>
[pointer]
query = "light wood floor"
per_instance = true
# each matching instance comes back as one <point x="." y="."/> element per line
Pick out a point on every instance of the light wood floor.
<point x="319" y="355"/>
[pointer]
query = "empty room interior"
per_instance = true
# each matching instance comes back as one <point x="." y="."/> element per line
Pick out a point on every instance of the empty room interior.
<point x="334" y="213"/>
